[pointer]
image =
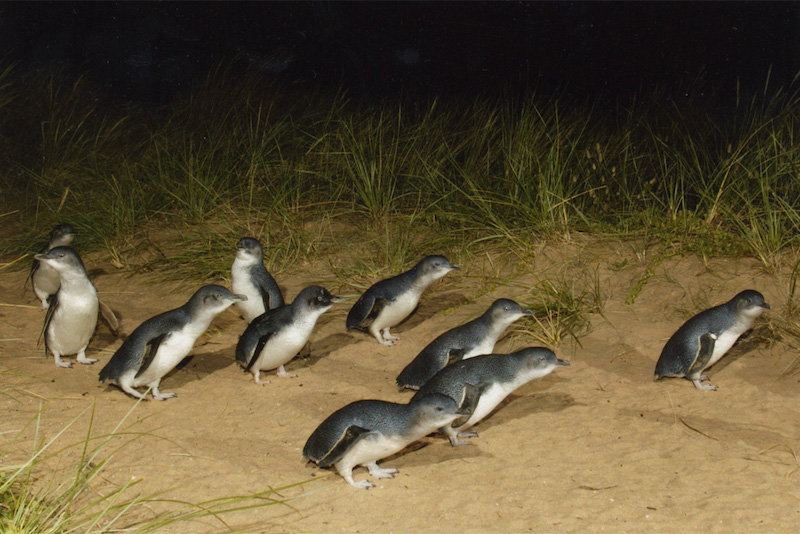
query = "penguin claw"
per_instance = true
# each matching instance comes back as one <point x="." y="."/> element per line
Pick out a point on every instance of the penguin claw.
<point x="704" y="387"/>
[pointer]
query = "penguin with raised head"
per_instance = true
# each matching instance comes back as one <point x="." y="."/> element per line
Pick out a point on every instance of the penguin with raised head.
<point x="495" y="375"/>
<point x="388" y="302"/>
<point x="250" y="278"/>
<point x="72" y="310"/>
<point x="275" y="337"/>
<point x="44" y="278"/>
<point x="366" y="431"/>
<point x="462" y="342"/>
<point x="706" y="337"/>
<point x="161" y="342"/>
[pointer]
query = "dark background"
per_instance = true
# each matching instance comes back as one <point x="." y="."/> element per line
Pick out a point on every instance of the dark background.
<point x="153" y="51"/>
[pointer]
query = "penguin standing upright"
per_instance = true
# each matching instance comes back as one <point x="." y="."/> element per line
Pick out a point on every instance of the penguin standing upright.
<point x="706" y="337"/>
<point x="161" y="342"/>
<point x="388" y="302"/>
<point x="44" y="278"/>
<point x="250" y="278"/>
<point x="72" y="311"/>
<point x="470" y="339"/>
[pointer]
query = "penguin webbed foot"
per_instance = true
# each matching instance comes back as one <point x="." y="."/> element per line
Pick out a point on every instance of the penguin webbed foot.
<point x="388" y="336"/>
<point x="62" y="363"/>
<point x="86" y="361"/>
<point x="283" y="374"/>
<point x="157" y="395"/>
<point x="380" y="472"/>
<point x="361" y="484"/>
<point x="704" y="387"/>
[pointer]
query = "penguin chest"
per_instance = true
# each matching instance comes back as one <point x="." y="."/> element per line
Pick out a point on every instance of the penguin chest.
<point x="285" y="344"/>
<point x="371" y="448"/>
<point x="46" y="281"/>
<point x="73" y="322"/>
<point x="488" y="401"/>
<point x="485" y="346"/>
<point x="395" y="311"/>
<point x="723" y="344"/>
<point x="175" y="347"/>
<point x="242" y="283"/>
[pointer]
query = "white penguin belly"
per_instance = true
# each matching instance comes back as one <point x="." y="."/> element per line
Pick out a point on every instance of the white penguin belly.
<point x="241" y="284"/>
<point x="171" y="351"/>
<point x="73" y="323"/>
<point x="284" y="345"/>
<point x="488" y="401"/>
<point x="395" y="311"/>
<point x="723" y="344"/>
<point x="46" y="281"/>
<point x="486" y="346"/>
<point x="371" y="449"/>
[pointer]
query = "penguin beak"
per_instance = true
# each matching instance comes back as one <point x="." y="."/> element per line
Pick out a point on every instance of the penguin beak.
<point x="526" y="311"/>
<point x="455" y="267"/>
<point x="237" y="296"/>
<point x="42" y="256"/>
<point x="766" y="306"/>
<point x="562" y="362"/>
<point x="338" y="299"/>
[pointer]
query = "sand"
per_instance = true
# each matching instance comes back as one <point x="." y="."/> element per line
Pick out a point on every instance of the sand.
<point x="596" y="446"/>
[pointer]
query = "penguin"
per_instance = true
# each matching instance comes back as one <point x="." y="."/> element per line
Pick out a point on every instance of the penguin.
<point x="470" y="339"/>
<point x="495" y="375"/>
<point x="706" y="337"/>
<point x="275" y="337"/>
<point x="72" y="310"/>
<point x="366" y="431"/>
<point x="161" y="342"/>
<point x="390" y="301"/>
<point x="249" y="277"/>
<point x="45" y="279"/>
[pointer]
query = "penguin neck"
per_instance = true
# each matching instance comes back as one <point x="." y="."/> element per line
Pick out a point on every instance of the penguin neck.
<point x="75" y="278"/>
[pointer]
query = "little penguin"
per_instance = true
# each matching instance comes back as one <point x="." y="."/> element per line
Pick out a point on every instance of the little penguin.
<point x="44" y="278"/>
<point x="275" y="337"/>
<point x="390" y="301"/>
<point x="706" y="337"/>
<point x="249" y="277"/>
<point x="72" y="311"/>
<point x="366" y="431"/>
<point x="495" y="375"/>
<point x="470" y="339"/>
<point x="161" y="342"/>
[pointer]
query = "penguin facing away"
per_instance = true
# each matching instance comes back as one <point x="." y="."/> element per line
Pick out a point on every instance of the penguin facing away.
<point x="275" y="337"/>
<point x="44" y="278"/>
<point x="161" y="342"/>
<point x="366" y="431"/>
<point x="250" y="278"/>
<point x="495" y="375"/>
<point x="706" y="337"/>
<point x="388" y="302"/>
<point x="72" y="310"/>
<point x="462" y="342"/>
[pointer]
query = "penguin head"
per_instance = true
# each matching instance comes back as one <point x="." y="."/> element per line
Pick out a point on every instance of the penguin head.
<point x="62" y="235"/>
<point x="434" y="267"/>
<point x="507" y="310"/>
<point x="317" y="297"/>
<point x="436" y="410"/>
<point x="750" y="303"/>
<point x="213" y="298"/>
<point x="541" y="358"/>
<point x="62" y="259"/>
<point x="249" y="250"/>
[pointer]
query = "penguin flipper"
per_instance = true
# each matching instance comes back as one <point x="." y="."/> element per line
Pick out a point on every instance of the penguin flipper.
<point x="53" y="301"/>
<point x="151" y="349"/>
<point x="704" y="351"/>
<point x="34" y="268"/>
<point x="351" y="435"/>
<point x="270" y="292"/>
<point x="109" y="316"/>
<point x="470" y="396"/>
<point x="361" y="311"/>
<point x="455" y="355"/>
<point x="262" y="341"/>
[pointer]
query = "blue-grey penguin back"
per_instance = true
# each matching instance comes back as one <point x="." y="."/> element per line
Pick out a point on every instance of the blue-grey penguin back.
<point x="682" y="349"/>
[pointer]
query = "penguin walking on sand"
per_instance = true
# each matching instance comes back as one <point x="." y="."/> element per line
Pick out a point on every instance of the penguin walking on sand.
<point x="390" y="301"/>
<point x="72" y="310"/>
<point x="161" y="342"/>
<point x="706" y="337"/>
<point x="366" y="431"/>
<point x="495" y="375"/>
<point x="470" y="339"/>
<point x="44" y="278"/>
<point x="250" y="278"/>
<point x="275" y="337"/>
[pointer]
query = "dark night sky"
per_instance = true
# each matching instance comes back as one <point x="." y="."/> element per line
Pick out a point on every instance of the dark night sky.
<point x="151" y="50"/>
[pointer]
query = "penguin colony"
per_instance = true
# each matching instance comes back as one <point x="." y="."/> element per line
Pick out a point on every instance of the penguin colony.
<point x="458" y="378"/>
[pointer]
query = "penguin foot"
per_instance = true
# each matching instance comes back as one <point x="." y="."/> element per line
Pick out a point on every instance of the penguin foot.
<point x="132" y="392"/>
<point x="62" y="363"/>
<point x="704" y="387"/>
<point x="379" y="472"/>
<point x="361" y="484"/>
<point x="283" y="374"/>
<point x="388" y="336"/>
<point x="386" y="342"/>
<point x="163" y="396"/>
<point x="456" y="442"/>
<point x="86" y="361"/>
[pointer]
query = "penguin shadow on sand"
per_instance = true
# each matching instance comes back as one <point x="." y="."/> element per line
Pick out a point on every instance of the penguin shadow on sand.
<point x="318" y="349"/>
<point x="198" y="366"/>
<point x="430" y="306"/>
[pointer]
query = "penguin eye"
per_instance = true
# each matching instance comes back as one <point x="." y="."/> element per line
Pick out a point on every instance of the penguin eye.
<point x="319" y="299"/>
<point x="440" y="408"/>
